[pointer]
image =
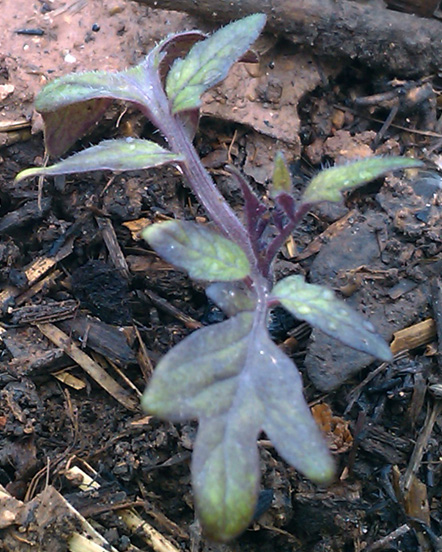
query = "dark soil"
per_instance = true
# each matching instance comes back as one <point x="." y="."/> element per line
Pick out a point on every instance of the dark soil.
<point x="71" y="260"/>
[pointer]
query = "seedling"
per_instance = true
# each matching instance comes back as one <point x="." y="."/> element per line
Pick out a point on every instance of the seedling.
<point x="230" y="375"/>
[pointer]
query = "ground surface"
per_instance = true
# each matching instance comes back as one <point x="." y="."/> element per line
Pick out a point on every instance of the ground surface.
<point x="76" y="278"/>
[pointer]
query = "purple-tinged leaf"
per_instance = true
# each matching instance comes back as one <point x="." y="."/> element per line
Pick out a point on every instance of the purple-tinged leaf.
<point x="116" y="155"/>
<point x="287" y="419"/>
<point x="63" y="127"/>
<point x="329" y="184"/>
<point x="232" y="297"/>
<point x="225" y="470"/>
<point x="320" y="307"/>
<point x="203" y="253"/>
<point x="190" y="120"/>
<point x="281" y="179"/>
<point x="199" y="376"/>
<point x="256" y="213"/>
<point x="72" y="104"/>
<point x="286" y="204"/>
<point x="171" y="48"/>
<point x="209" y="61"/>
<point x="228" y="375"/>
<point x="160" y="60"/>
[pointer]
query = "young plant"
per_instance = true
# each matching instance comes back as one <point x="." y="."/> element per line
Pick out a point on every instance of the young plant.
<point x="230" y="376"/>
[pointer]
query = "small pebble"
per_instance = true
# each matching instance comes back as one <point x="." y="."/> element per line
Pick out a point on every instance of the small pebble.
<point x="69" y="58"/>
<point x="6" y="90"/>
<point x="95" y="27"/>
<point x="116" y="9"/>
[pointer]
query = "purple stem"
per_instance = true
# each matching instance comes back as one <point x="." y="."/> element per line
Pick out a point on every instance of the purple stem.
<point x="279" y="240"/>
<point x="198" y="178"/>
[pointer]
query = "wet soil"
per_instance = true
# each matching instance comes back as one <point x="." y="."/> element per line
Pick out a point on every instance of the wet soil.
<point x="87" y="309"/>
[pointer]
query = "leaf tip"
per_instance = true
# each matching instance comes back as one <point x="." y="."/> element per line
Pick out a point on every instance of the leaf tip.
<point x="323" y="471"/>
<point x="329" y="184"/>
<point x="384" y="351"/>
<point x="149" y="232"/>
<point x="26" y="173"/>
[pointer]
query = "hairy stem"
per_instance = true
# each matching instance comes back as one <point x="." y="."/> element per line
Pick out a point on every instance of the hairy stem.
<point x="196" y="175"/>
<point x="207" y="193"/>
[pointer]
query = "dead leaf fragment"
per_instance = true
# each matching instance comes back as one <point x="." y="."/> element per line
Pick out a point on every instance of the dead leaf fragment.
<point x="335" y="428"/>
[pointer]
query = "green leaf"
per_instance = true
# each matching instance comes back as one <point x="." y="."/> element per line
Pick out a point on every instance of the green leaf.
<point x="209" y="61"/>
<point x="81" y="87"/>
<point x="329" y="184"/>
<point x="203" y="253"/>
<point x="320" y="307"/>
<point x="231" y="376"/>
<point x="116" y="155"/>
<point x="281" y="180"/>
<point x="225" y="471"/>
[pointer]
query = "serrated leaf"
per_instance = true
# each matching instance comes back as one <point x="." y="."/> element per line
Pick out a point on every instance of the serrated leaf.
<point x="209" y="61"/>
<point x="232" y="297"/>
<point x="229" y="376"/>
<point x="281" y="179"/>
<point x="115" y="155"/>
<point x="320" y="307"/>
<point x="329" y="184"/>
<point x="203" y="253"/>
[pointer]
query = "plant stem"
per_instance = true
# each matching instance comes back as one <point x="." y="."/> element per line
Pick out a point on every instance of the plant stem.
<point x="206" y="191"/>
<point x="278" y="241"/>
<point x="194" y="171"/>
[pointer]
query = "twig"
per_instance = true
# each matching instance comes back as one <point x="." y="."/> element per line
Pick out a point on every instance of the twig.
<point x="384" y="541"/>
<point x="149" y="534"/>
<point x="421" y="444"/>
<point x="94" y="370"/>
<point x="164" y="305"/>
<point x="366" y="32"/>
<point x="110" y="239"/>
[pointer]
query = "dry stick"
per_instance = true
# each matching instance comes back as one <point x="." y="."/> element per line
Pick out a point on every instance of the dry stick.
<point x="421" y="444"/>
<point x="436" y="300"/>
<point x="375" y="36"/>
<point x="384" y="541"/>
<point x="163" y="304"/>
<point x="34" y="272"/>
<point x="95" y="371"/>
<point x="132" y="520"/>
<point x="111" y="241"/>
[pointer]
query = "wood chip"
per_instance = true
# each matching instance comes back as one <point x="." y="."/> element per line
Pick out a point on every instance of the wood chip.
<point x="413" y="336"/>
<point x="94" y="370"/>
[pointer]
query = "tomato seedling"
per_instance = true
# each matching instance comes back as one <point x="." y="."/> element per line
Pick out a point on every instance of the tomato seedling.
<point x="230" y="376"/>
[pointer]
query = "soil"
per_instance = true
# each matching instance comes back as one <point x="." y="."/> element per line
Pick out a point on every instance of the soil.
<point x="87" y="309"/>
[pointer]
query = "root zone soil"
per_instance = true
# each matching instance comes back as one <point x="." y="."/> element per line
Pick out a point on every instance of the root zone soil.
<point x="88" y="309"/>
